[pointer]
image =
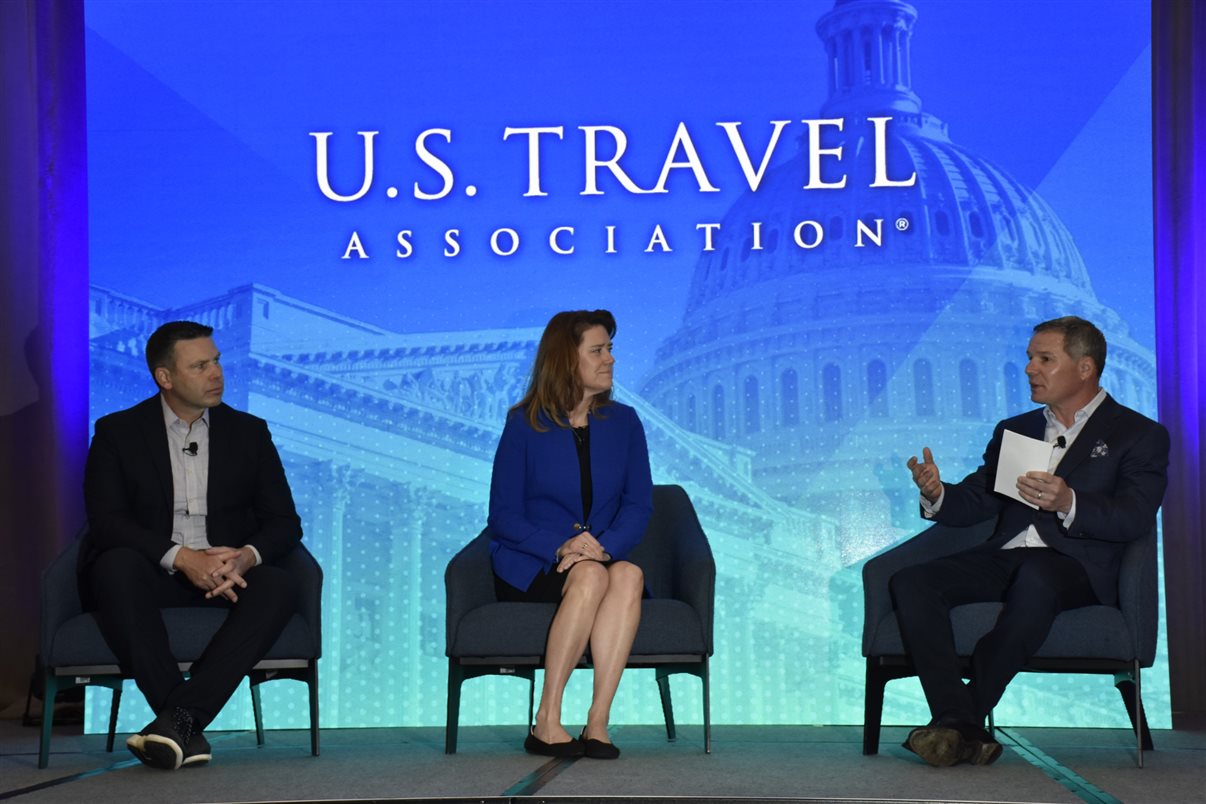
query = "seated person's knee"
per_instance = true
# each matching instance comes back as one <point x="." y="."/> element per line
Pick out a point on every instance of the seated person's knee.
<point x="628" y="574"/>
<point x="588" y="575"/>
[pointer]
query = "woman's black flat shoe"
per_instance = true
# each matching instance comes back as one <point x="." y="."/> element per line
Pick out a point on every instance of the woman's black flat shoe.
<point x="597" y="749"/>
<point x="534" y="745"/>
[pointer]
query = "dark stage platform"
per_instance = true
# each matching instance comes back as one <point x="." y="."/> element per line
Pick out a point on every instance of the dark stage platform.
<point x="747" y="764"/>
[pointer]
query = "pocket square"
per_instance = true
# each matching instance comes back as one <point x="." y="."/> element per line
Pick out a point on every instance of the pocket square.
<point x="1100" y="450"/>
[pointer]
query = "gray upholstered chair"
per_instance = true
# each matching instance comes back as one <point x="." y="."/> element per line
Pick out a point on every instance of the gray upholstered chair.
<point x="1093" y="639"/>
<point x="73" y="652"/>
<point x="485" y="637"/>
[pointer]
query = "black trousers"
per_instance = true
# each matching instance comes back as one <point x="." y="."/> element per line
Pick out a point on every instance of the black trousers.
<point x="1034" y="583"/>
<point x="126" y="592"/>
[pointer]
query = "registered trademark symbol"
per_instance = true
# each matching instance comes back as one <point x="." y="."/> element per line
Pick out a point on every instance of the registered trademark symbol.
<point x="902" y="224"/>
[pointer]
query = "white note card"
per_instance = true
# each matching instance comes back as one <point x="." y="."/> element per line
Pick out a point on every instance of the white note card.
<point x="1020" y="454"/>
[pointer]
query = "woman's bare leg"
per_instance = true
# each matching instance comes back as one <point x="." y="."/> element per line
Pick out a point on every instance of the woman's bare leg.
<point x="615" y="626"/>
<point x="585" y="589"/>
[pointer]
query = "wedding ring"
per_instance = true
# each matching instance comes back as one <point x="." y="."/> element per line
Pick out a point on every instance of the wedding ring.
<point x="1040" y="495"/>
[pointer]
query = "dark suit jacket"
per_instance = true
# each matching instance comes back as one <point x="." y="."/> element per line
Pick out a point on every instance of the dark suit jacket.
<point x="1118" y="467"/>
<point x="536" y="492"/>
<point x="128" y="485"/>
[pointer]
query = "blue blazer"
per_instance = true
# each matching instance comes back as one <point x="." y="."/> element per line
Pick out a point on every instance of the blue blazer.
<point x="1118" y="467"/>
<point x="536" y="491"/>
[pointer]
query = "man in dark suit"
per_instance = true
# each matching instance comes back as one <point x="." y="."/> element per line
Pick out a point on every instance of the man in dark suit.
<point x="1058" y="547"/>
<point x="188" y="505"/>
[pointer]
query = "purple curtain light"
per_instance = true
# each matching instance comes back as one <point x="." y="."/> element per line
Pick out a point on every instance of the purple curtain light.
<point x="43" y="310"/>
<point x="1179" y="153"/>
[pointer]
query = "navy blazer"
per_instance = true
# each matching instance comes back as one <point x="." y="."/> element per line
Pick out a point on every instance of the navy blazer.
<point x="536" y="491"/>
<point x="1118" y="467"/>
<point x="128" y="485"/>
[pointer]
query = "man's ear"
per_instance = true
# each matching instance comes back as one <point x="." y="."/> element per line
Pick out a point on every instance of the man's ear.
<point x="163" y="377"/>
<point x="1086" y="367"/>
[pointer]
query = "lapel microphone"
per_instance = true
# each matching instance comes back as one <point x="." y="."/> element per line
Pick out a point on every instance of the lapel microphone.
<point x="1060" y="443"/>
<point x="191" y="449"/>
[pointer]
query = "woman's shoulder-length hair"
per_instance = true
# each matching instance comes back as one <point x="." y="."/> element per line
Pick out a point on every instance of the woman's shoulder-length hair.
<point x="554" y="388"/>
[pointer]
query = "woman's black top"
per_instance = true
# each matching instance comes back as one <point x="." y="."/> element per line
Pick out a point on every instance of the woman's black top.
<point x="582" y="442"/>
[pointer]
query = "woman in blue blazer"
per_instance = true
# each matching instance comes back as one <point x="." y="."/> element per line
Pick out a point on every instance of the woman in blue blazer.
<point x="570" y="497"/>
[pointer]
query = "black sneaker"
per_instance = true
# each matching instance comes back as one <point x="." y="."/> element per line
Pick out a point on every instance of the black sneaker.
<point x="162" y="743"/>
<point x="197" y="752"/>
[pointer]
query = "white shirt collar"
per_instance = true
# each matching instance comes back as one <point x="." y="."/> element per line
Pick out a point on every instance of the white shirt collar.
<point x="170" y="418"/>
<point x="1079" y="417"/>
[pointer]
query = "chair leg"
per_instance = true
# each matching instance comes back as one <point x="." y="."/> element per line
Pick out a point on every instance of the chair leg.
<point x="312" y="683"/>
<point x="707" y="708"/>
<point x="114" y="705"/>
<point x="50" y="687"/>
<point x="1129" y="690"/>
<point x="455" y="677"/>
<point x="258" y="711"/>
<point x="873" y="706"/>
<point x="531" y="701"/>
<point x="992" y="724"/>
<point x="663" y="685"/>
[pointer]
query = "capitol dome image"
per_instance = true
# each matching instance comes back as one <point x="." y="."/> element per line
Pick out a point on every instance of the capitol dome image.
<point x="833" y="364"/>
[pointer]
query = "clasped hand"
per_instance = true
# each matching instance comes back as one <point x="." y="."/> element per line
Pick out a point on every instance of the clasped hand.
<point x="216" y="570"/>
<point x="581" y="547"/>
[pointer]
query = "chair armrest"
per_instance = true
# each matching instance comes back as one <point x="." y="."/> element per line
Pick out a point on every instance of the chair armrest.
<point x="60" y="593"/>
<point x="1138" y="596"/>
<point x="305" y="569"/>
<point x="468" y="584"/>
<point x="934" y="542"/>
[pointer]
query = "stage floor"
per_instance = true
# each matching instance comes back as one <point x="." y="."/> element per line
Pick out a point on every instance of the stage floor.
<point x="818" y="763"/>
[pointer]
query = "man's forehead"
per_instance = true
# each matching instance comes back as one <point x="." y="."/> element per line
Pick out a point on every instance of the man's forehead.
<point x="196" y="348"/>
<point x="1047" y="343"/>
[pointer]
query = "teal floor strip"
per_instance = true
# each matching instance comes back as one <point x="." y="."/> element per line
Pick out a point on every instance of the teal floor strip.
<point x="1075" y="783"/>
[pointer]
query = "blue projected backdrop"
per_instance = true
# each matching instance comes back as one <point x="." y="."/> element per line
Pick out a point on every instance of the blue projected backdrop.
<point x="825" y="229"/>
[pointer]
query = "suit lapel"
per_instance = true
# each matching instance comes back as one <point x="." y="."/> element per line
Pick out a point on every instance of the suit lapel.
<point x="1099" y="425"/>
<point x="1035" y="425"/>
<point x="155" y="433"/>
<point x="218" y="452"/>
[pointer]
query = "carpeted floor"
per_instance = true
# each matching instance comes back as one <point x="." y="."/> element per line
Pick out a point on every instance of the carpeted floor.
<point x="747" y="762"/>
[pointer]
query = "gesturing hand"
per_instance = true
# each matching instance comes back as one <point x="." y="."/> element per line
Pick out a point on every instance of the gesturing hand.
<point x="925" y="475"/>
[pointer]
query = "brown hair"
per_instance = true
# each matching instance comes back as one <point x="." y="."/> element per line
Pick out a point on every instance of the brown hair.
<point x="161" y="346"/>
<point x="554" y="388"/>
<point x="1081" y="339"/>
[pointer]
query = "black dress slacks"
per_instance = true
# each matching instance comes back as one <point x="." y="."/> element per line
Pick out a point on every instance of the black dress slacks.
<point x="1034" y="583"/>
<point x="126" y="592"/>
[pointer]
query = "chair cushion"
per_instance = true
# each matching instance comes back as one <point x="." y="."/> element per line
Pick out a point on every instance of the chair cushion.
<point x="1092" y="632"/>
<point x="521" y="629"/>
<point x="78" y="642"/>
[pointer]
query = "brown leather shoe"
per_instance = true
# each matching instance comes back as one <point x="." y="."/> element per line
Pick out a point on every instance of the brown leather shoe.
<point x="978" y="748"/>
<point x="937" y="745"/>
